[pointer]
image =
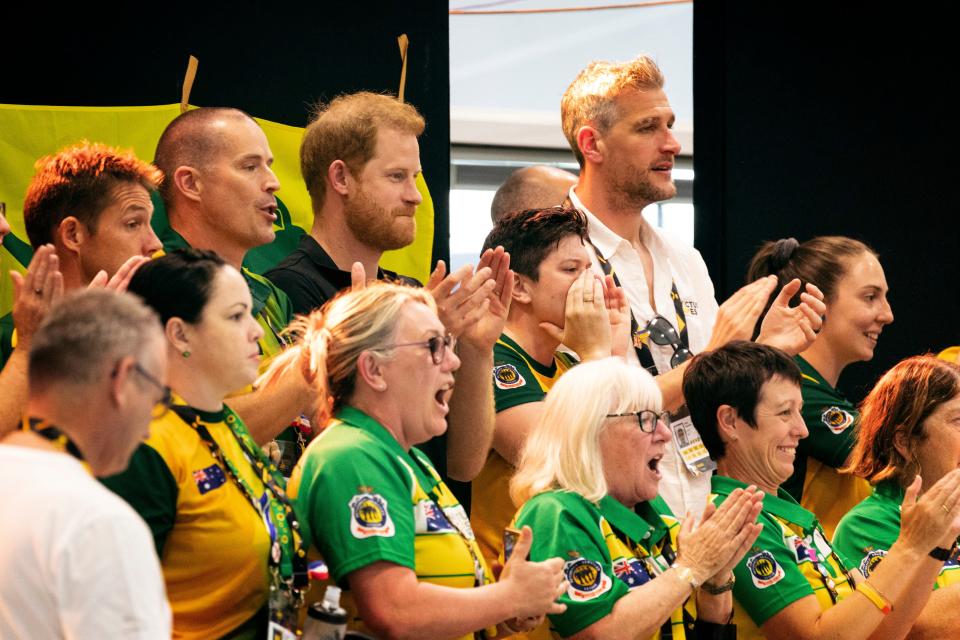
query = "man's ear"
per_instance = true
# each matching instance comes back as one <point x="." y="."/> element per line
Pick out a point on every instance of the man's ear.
<point x="521" y="289"/>
<point x="339" y="177"/>
<point x="187" y="181"/>
<point x="370" y="370"/>
<point x="727" y="423"/>
<point x="119" y="379"/>
<point x="590" y="144"/>
<point x="72" y="234"/>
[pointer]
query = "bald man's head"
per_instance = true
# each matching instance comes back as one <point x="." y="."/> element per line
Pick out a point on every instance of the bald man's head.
<point x="535" y="187"/>
<point x="191" y="139"/>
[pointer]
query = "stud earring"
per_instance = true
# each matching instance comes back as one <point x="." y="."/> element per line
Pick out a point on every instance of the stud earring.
<point x="185" y="354"/>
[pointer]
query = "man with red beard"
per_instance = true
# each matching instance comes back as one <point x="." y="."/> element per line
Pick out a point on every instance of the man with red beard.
<point x="618" y="122"/>
<point x="360" y="160"/>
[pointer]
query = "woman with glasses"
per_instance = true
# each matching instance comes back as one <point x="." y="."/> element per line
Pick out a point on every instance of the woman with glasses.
<point x="849" y="274"/>
<point x="224" y="530"/>
<point x="377" y="511"/>
<point x="909" y="427"/>
<point x="745" y="400"/>
<point x="588" y="483"/>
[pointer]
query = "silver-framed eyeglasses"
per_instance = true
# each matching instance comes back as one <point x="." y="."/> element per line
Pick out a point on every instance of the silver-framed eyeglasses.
<point x="438" y="346"/>
<point x="646" y="418"/>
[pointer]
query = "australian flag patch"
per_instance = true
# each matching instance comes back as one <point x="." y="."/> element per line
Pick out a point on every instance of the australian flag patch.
<point x="209" y="479"/>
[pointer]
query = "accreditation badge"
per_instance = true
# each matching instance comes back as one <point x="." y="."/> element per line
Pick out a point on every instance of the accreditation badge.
<point x="689" y="444"/>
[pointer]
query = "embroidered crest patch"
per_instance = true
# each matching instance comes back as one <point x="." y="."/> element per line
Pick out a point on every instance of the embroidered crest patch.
<point x="506" y="376"/>
<point x="764" y="570"/>
<point x="369" y="516"/>
<point x="586" y="579"/>
<point x="870" y="561"/>
<point x="836" y="419"/>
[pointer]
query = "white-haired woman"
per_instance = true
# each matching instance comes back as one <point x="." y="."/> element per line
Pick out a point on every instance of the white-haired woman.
<point x="588" y="485"/>
<point x="372" y="503"/>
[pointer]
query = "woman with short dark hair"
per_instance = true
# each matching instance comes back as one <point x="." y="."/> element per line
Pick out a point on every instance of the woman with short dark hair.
<point x="222" y="524"/>
<point x="745" y="400"/>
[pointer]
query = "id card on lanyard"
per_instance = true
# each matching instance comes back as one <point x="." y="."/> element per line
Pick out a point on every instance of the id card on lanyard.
<point x="689" y="444"/>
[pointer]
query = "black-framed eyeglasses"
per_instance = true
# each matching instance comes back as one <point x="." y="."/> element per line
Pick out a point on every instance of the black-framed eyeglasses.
<point x="646" y="418"/>
<point x="438" y="346"/>
<point x="663" y="333"/>
<point x="166" y="395"/>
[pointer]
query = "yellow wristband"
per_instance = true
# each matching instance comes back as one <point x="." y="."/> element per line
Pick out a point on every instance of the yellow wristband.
<point x="874" y="596"/>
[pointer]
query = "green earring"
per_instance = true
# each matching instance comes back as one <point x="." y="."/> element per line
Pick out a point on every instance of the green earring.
<point x="186" y="354"/>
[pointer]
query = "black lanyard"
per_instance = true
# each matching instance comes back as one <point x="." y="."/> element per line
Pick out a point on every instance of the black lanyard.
<point x="49" y="432"/>
<point x="636" y="333"/>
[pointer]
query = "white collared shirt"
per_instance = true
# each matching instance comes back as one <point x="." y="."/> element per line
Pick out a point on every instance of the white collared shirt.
<point x="673" y="263"/>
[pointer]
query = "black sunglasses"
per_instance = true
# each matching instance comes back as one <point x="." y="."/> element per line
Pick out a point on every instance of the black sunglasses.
<point x="646" y="418"/>
<point x="663" y="333"/>
<point x="438" y="346"/>
<point x="166" y="396"/>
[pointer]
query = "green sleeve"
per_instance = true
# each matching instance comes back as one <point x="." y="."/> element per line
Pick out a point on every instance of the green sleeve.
<point x="768" y="578"/>
<point x="829" y="445"/>
<point x="513" y="381"/>
<point x="149" y="487"/>
<point x="864" y="536"/>
<point x="562" y="528"/>
<point x="357" y="504"/>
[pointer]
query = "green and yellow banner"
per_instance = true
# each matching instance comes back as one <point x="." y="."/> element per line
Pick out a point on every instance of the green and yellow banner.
<point x="31" y="132"/>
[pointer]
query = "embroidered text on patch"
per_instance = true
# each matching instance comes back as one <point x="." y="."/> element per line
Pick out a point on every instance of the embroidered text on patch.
<point x="586" y="579"/>
<point x="506" y="376"/>
<point x="369" y="516"/>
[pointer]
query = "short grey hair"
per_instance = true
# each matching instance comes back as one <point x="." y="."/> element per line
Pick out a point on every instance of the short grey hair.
<point x="88" y="332"/>
<point x="563" y="448"/>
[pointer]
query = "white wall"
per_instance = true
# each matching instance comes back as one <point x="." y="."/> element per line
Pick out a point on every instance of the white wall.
<point x="508" y="72"/>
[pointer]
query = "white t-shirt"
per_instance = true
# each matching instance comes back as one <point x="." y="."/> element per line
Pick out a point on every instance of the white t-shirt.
<point x="75" y="560"/>
<point x="676" y="263"/>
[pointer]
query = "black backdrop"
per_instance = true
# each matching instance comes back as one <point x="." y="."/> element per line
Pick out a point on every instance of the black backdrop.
<point x="833" y="118"/>
<point x="272" y="60"/>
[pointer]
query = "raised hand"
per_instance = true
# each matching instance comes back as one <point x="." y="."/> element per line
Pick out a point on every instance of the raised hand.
<point x="933" y="520"/>
<point x="793" y="329"/>
<point x="618" y="311"/>
<point x="723" y="536"/>
<point x="121" y="279"/>
<point x="738" y="316"/>
<point x="35" y="292"/>
<point x="586" y="322"/>
<point x="536" y="585"/>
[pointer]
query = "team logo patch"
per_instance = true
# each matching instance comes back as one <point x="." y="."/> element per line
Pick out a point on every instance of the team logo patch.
<point x="209" y="479"/>
<point x="870" y="561"/>
<point x="631" y="572"/>
<point x="764" y="570"/>
<point x="586" y="579"/>
<point x="836" y="419"/>
<point x="369" y="516"/>
<point x="506" y="376"/>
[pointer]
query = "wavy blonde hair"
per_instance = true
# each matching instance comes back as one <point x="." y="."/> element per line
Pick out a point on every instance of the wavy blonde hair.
<point x="563" y="448"/>
<point x="590" y="98"/>
<point x="331" y="339"/>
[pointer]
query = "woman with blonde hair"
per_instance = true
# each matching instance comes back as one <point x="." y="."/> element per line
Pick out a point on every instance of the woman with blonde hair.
<point x="588" y="483"/>
<point x="375" y="508"/>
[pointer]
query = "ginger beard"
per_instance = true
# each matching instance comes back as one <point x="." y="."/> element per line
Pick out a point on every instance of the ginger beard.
<point x="376" y="227"/>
